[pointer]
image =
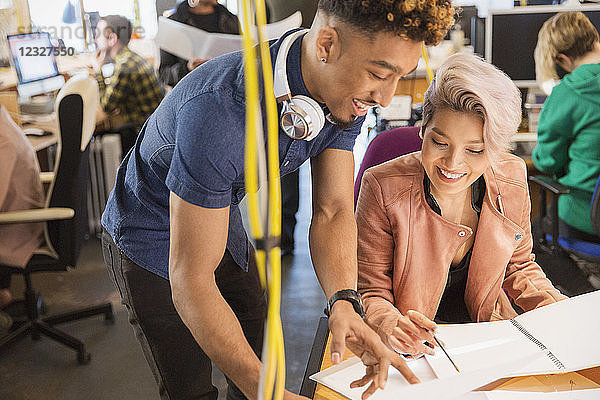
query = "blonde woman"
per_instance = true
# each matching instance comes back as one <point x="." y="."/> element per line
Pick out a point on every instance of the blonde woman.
<point x="444" y="233"/>
<point x="569" y="125"/>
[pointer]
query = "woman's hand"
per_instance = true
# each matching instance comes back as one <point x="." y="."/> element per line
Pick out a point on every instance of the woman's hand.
<point x="410" y="332"/>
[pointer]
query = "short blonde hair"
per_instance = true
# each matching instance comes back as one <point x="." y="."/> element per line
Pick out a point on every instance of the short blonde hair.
<point x="466" y="83"/>
<point x="569" y="33"/>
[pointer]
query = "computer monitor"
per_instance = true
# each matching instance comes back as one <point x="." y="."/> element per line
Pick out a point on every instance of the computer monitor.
<point x="35" y="64"/>
<point x="511" y="37"/>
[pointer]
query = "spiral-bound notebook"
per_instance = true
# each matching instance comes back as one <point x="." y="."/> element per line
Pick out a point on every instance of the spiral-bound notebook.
<point x="557" y="338"/>
<point x="568" y="333"/>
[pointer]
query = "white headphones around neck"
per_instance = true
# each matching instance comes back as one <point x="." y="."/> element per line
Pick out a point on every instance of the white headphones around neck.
<point x="301" y="117"/>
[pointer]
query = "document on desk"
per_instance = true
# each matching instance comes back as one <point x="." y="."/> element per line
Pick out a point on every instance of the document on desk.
<point x="188" y="42"/>
<point x="557" y="338"/>
<point x="432" y="387"/>
<point x="567" y="332"/>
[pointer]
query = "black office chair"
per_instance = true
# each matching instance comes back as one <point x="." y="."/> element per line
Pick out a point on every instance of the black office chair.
<point x="554" y="250"/>
<point x="64" y="215"/>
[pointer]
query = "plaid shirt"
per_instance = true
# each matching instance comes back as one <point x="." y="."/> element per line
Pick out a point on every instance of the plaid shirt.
<point x="133" y="89"/>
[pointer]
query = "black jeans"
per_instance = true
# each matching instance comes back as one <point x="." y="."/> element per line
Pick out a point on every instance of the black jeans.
<point x="181" y="369"/>
<point x="290" y="199"/>
<point x="5" y="278"/>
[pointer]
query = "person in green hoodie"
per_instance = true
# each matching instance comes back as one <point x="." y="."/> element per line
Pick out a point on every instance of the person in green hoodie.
<point x="568" y="146"/>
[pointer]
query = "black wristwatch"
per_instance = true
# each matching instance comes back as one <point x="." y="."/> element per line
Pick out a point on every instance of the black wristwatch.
<point x="350" y="295"/>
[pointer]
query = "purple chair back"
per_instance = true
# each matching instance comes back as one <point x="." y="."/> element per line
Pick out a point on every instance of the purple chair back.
<point x="386" y="146"/>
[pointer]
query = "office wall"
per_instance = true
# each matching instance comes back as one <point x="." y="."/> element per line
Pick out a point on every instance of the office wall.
<point x="17" y="15"/>
<point x="10" y="21"/>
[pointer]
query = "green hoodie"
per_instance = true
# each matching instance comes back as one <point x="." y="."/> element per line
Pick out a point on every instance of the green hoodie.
<point x="569" y="142"/>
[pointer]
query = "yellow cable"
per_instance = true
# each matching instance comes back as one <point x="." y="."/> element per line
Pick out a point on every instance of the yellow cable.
<point x="275" y="331"/>
<point x="273" y="373"/>
<point x="427" y="67"/>
<point x="250" y="171"/>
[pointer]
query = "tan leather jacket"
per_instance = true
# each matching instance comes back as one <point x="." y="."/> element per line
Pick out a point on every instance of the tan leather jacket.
<point x="405" y="248"/>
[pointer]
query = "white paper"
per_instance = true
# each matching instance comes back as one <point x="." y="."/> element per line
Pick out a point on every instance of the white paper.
<point x="276" y="29"/>
<point x="431" y="387"/>
<point x="188" y="42"/>
<point x="471" y="345"/>
<point x="568" y="329"/>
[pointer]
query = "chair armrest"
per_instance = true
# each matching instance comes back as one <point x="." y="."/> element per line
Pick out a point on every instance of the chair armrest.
<point x="549" y="184"/>
<point x="46" y="177"/>
<point x="548" y="224"/>
<point x="36" y="215"/>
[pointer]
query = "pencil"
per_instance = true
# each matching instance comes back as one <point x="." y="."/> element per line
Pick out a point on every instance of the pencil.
<point x="446" y="353"/>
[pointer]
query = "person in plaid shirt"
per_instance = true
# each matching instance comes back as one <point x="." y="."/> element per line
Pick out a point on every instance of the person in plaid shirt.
<point x="132" y="92"/>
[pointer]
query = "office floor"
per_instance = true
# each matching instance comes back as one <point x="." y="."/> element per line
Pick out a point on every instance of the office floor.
<point x="46" y="370"/>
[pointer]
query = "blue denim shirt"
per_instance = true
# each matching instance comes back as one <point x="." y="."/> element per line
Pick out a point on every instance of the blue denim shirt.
<point x="193" y="145"/>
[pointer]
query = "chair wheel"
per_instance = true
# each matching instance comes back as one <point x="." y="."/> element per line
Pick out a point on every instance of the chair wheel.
<point x="84" y="358"/>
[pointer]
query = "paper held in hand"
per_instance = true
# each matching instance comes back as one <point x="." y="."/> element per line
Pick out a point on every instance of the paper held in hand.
<point x="557" y="338"/>
<point x="188" y="42"/>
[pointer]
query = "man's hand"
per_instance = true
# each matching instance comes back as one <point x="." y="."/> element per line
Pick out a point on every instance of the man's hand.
<point x="195" y="62"/>
<point x="100" y="56"/>
<point x="410" y="332"/>
<point x="348" y="329"/>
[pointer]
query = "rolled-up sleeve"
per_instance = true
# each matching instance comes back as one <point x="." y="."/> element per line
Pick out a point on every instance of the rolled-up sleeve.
<point x="375" y="258"/>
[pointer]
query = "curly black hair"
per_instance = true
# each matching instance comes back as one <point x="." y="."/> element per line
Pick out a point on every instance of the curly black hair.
<point x="420" y="20"/>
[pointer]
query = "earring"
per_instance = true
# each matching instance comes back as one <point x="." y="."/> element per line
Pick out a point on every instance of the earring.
<point x="323" y="60"/>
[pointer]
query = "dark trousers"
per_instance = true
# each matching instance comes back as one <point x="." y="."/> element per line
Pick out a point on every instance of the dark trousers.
<point x="567" y="230"/>
<point x="564" y="229"/>
<point x="5" y="278"/>
<point x="181" y="369"/>
<point x="290" y="198"/>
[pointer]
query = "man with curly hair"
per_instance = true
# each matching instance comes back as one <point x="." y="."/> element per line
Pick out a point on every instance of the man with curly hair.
<point x="174" y="241"/>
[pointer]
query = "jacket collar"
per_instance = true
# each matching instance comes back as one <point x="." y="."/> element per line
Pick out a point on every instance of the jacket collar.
<point x="483" y="281"/>
<point x="491" y="191"/>
<point x="477" y="194"/>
